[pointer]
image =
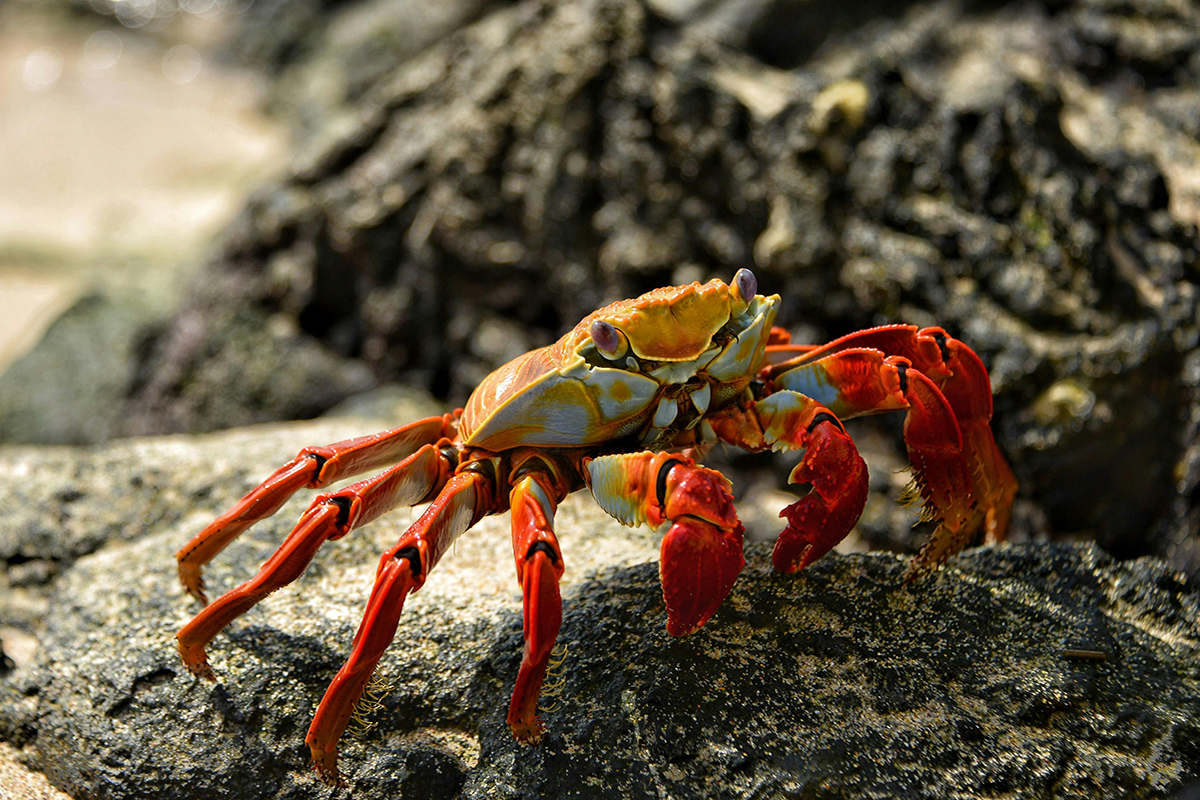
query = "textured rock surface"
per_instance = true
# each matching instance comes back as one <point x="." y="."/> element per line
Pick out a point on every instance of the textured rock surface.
<point x="841" y="681"/>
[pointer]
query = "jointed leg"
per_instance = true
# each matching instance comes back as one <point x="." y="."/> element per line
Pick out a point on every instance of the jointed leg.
<point x="946" y="469"/>
<point x="331" y="516"/>
<point x="701" y="553"/>
<point x="961" y="377"/>
<point x="313" y="468"/>
<point x="969" y="392"/>
<point x="537" y="489"/>
<point x="466" y="498"/>
<point x="831" y="465"/>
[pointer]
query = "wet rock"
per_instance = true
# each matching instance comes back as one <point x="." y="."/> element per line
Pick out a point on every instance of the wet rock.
<point x="1016" y="670"/>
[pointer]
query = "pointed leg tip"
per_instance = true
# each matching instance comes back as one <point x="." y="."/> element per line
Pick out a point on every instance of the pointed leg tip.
<point x="324" y="762"/>
<point x="920" y="568"/>
<point x="196" y="661"/>
<point x="193" y="583"/>
<point x="528" y="733"/>
<point x="203" y="671"/>
<point x="676" y="627"/>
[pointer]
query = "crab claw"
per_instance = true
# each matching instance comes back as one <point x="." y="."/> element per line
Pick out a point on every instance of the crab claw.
<point x="823" y="517"/>
<point x="699" y="563"/>
<point x="701" y="554"/>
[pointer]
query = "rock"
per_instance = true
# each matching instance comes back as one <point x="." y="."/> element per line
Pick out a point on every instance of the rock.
<point x="1023" y="670"/>
<point x="66" y="388"/>
<point x="17" y="782"/>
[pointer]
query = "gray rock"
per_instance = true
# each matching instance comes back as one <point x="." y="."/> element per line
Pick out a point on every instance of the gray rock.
<point x="1020" y="670"/>
<point x="66" y="389"/>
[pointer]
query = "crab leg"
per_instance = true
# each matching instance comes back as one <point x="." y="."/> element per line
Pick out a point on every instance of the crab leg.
<point x="701" y="552"/>
<point x="535" y="495"/>
<point x="969" y="392"/>
<point x="313" y="468"/>
<point x="957" y="371"/>
<point x="831" y="465"/>
<point x="859" y="381"/>
<point x="330" y="516"/>
<point x="466" y="498"/>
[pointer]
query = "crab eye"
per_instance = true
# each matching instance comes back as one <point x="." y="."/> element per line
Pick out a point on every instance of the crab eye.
<point x="745" y="284"/>
<point x="609" y="341"/>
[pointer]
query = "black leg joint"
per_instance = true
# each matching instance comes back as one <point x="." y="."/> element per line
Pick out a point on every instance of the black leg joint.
<point x="940" y="338"/>
<point x="825" y="416"/>
<point x="542" y="547"/>
<point x="902" y="369"/>
<point x="413" y="555"/>
<point x="344" y="505"/>
<point x="660" y="485"/>
<point x="319" y="460"/>
<point x="450" y="454"/>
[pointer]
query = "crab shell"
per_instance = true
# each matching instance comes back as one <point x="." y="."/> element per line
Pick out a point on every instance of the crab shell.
<point x="690" y="348"/>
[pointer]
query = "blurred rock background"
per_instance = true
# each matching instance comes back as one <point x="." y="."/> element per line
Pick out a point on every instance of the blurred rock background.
<point x="222" y="212"/>
<point x="464" y="181"/>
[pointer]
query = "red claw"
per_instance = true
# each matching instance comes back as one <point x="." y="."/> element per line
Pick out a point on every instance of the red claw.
<point x="699" y="563"/>
<point x="701" y="554"/>
<point x="823" y="517"/>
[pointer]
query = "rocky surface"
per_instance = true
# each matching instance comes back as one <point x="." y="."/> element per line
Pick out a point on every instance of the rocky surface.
<point x="1024" y="670"/>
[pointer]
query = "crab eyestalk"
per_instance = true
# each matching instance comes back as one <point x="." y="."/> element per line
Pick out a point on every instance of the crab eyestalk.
<point x="742" y="288"/>
<point x="611" y="343"/>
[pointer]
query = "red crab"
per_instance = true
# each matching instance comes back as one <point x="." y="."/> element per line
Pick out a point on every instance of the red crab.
<point x="619" y="405"/>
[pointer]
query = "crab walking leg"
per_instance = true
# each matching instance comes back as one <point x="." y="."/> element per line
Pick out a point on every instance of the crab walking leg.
<point x="969" y="392"/>
<point x="313" y="468"/>
<point x="831" y="465"/>
<point x="466" y="498"/>
<point x="534" y="499"/>
<point x="331" y="516"/>
<point x="701" y="553"/>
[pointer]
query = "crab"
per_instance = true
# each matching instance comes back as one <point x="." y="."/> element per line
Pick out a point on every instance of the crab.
<point x="622" y="405"/>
